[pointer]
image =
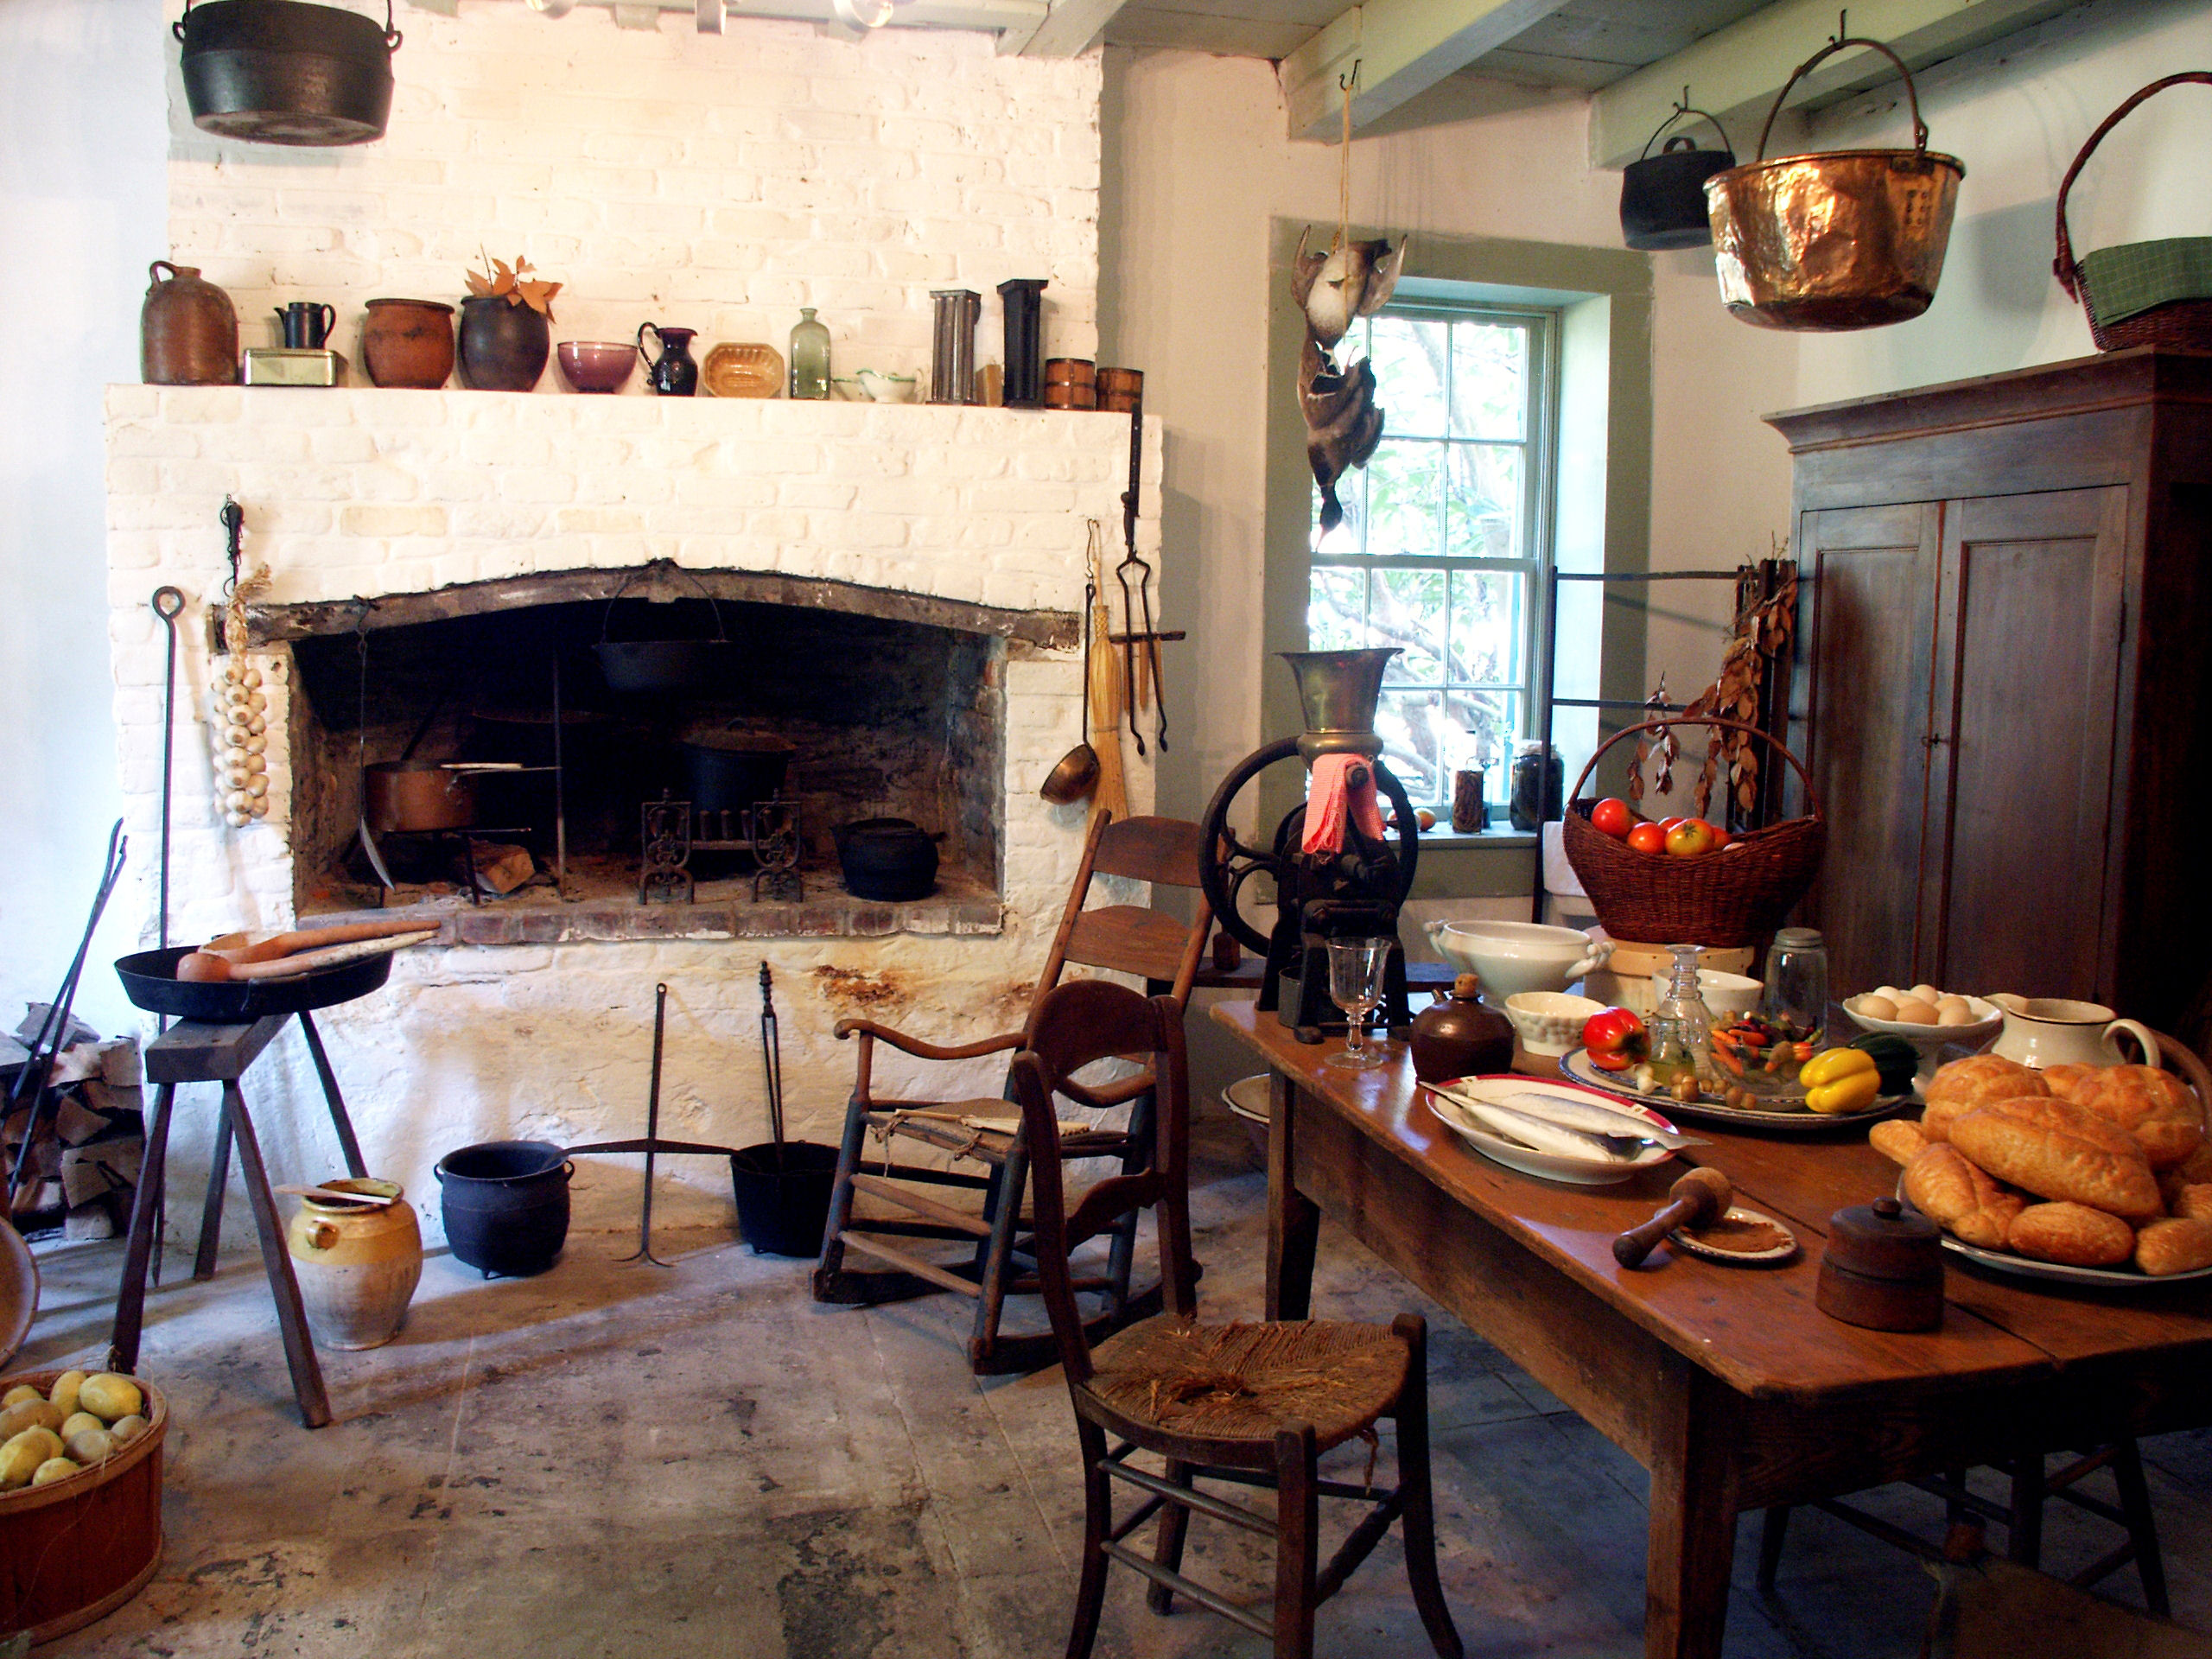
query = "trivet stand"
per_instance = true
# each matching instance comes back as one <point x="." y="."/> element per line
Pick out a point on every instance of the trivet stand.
<point x="669" y="831"/>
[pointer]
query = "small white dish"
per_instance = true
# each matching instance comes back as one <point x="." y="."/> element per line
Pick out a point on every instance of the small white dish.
<point x="1682" y="1239"/>
<point x="1931" y="1040"/>
<point x="1550" y="1022"/>
<point x="888" y="388"/>
<point x="1551" y="1167"/>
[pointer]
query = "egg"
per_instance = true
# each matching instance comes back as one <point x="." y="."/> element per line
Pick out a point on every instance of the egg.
<point x="1928" y="994"/>
<point x="1955" y="1011"/>
<point x="1875" y="1005"/>
<point x="1891" y="993"/>
<point x="1914" y="1012"/>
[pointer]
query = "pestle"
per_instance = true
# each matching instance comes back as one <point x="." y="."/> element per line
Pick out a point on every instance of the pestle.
<point x="1697" y="1198"/>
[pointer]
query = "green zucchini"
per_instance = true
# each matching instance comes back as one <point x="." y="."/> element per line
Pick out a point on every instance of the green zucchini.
<point x="1897" y="1059"/>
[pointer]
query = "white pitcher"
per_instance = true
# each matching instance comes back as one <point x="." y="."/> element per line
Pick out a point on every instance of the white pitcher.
<point x="2051" y="1031"/>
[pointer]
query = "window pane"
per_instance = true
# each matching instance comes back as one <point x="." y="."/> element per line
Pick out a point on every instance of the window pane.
<point x="1350" y="535"/>
<point x="1488" y="723"/>
<point x="1490" y="380"/>
<point x="1406" y="608"/>
<point x="1336" y="610"/>
<point x="1486" y="627"/>
<point x="1483" y="508"/>
<point x="1416" y="739"/>
<point x="1409" y="356"/>
<point x="1405" y="484"/>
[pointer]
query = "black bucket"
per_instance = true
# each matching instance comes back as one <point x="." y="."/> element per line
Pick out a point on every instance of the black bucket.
<point x="784" y="1214"/>
<point x="506" y="1205"/>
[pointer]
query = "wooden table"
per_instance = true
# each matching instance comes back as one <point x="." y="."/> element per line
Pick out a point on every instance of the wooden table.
<point x="1726" y="1384"/>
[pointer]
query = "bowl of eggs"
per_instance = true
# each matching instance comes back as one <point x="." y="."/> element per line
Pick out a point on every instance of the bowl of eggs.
<point x="1929" y="1020"/>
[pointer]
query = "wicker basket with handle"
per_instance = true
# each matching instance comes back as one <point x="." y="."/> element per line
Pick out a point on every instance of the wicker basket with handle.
<point x="1734" y="897"/>
<point x="2156" y="293"/>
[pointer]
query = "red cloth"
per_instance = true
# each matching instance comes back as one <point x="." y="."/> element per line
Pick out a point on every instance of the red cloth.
<point x="1334" y="800"/>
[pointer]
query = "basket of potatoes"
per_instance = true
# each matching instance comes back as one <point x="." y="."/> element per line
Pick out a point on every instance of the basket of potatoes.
<point x="2100" y="1174"/>
<point x="80" y="1496"/>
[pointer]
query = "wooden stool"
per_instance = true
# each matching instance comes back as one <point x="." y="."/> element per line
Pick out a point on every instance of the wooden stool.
<point x="191" y="1053"/>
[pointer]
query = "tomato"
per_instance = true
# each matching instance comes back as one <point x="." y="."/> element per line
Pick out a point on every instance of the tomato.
<point x="1612" y="817"/>
<point x="1721" y="839"/>
<point x="1668" y="824"/>
<point x="1615" y="1039"/>
<point x="1690" y="838"/>
<point x="1647" y="838"/>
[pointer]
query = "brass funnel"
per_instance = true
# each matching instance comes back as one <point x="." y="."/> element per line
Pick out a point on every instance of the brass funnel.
<point x="1338" y="691"/>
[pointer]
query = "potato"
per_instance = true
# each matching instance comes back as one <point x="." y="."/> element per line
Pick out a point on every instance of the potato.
<point x="92" y="1446"/>
<point x="108" y="1396"/>
<point x="64" y="1393"/>
<point x="34" y="1413"/>
<point x="52" y="1470"/>
<point x="44" y="1441"/>
<point x="1875" y="1005"/>
<point x="1914" y="1012"/>
<point x="19" y="1461"/>
<point x="127" y="1429"/>
<point x="77" y="1423"/>
<point x="17" y="1395"/>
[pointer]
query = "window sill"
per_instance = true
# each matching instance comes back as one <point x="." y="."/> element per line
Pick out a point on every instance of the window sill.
<point x="1445" y="836"/>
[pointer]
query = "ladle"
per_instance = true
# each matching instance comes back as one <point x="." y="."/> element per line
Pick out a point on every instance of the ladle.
<point x="1077" y="774"/>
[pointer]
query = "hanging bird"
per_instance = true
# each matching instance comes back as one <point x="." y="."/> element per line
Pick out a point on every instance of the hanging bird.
<point x="1352" y="280"/>
<point x="1343" y="422"/>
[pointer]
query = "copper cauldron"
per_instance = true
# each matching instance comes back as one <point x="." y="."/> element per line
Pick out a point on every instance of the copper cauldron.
<point x="1847" y="239"/>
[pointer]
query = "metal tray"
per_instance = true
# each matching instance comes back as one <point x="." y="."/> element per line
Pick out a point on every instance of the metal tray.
<point x="149" y="980"/>
<point x="1576" y="1068"/>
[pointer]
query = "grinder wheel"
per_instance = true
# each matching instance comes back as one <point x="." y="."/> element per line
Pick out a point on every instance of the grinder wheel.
<point x="1230" y="863"/>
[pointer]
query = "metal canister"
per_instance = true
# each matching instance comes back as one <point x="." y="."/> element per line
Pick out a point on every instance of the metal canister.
<point x="187" y="330"/>
<point x="953" y="345"/>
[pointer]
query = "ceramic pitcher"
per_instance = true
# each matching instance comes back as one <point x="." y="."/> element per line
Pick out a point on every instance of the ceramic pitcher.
<point x="2051" y="1031"/>
<point x="357" y="1267"/>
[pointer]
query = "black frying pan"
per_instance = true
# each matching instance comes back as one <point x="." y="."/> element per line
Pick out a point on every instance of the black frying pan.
<point x="149" y="980"/>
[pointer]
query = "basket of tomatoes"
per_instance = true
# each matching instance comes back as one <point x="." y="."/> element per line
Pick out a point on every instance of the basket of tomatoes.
<point x="1687" y="881"/>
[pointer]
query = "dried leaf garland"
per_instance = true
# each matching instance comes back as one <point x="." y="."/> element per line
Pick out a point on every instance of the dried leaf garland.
<point x="514" y="284"/>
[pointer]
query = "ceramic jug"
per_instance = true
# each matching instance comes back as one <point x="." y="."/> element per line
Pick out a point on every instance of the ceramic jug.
<point x="673" y="374"/>
<point x="357" y="1267"/>
<point x="188" y="330"/>
<point x="2051" y="1031"/>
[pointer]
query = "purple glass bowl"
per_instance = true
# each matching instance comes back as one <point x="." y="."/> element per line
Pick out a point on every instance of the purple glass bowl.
<point x="596" y="364"/>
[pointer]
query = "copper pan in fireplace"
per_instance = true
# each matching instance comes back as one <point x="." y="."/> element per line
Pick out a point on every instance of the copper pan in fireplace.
<point x="407" y="796"/>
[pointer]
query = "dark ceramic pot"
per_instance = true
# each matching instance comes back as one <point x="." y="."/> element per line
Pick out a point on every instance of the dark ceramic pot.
<point x="1460" y="1038"/>
<point x="506" y="1205"/>
<point x="891" y="861"/>
<point x="502" y="348"/>
<point x="408" y="343"/>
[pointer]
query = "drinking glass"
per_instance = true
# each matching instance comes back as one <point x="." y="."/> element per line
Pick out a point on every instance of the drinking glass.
<point x="1356" y="986"/>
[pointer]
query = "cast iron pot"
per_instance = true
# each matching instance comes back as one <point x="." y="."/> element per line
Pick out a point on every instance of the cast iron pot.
<point x="662" y="665"/>
<point x="282" y="72"/>
<point x="728" y="771"/>
<point x="888" y="860"/>
<point x="506" y="1204"/>
<point x="1662" y="196"/>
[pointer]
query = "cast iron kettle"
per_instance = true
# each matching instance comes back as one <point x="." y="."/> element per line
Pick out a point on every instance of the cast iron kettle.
<point x="890" y="861"/>
<point x="282" y="72"/>
<point x="1662" y="196"/>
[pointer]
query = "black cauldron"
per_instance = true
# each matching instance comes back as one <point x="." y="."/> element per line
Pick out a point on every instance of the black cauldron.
<point x="728" y="771"/>
<point x="891" y="861"/>
<point x="506" y="1205"/>
<point x="282" y="72"/>
<point x="1662" y="196"/>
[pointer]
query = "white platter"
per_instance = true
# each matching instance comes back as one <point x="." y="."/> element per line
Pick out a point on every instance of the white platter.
<point x="1551" y="1167"/>
<point x="2024" y="1267"/>
<point x="1578" y="1069"/>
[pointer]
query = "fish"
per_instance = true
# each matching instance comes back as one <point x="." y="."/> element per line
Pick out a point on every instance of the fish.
<point x="1553" y="1138"/>
<point x="1590" y="1117"/>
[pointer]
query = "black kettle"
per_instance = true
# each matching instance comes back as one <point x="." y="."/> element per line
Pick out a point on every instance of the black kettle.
<point x="1662" y="196"/>
<point x="891" y="861"/>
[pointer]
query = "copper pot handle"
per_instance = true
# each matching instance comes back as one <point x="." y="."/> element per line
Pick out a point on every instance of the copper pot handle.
<point x="1919" y="127"/>
<point x="2066" y="267"/>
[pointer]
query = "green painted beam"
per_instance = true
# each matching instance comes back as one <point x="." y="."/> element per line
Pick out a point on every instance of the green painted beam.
<point x="1735" y="72"/>
<point x="1403" y="48"/>
<point x="1069" y="30"/>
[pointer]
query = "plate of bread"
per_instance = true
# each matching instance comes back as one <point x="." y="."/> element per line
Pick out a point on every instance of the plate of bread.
<point x="2092" y="1175"/>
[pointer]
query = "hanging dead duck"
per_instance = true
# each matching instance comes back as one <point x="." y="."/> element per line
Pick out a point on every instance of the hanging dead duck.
<point x="1350" y="281"/>
<point x="1343" y="422"/>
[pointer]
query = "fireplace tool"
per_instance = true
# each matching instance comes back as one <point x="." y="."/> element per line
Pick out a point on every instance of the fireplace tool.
<point x="1134" y="567"/>
<point x="1338" y="872"/>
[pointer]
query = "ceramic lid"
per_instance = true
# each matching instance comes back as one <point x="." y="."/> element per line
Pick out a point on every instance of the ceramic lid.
<point x="1885" y="1240"/>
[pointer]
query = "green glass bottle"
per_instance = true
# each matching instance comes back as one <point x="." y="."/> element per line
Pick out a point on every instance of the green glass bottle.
<point x="810" y="357"/>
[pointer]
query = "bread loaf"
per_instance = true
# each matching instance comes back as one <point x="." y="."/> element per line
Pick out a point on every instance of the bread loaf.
<point x="2175" y="1245"/>
<point x="1964" y="1085"/>
<point x="2056" y="1150"/>
<point x="1960" y="1198"/>
<point x="2071" y="1233"/>
<point x="2156" y="1107"/>
<point x="2191" y="1200"/>
<point x="1897" y="1140"/>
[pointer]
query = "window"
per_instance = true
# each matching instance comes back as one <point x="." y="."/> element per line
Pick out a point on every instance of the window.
<point x="1446" y="535"/>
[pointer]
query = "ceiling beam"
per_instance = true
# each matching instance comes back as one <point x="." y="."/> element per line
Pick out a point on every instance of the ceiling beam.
<point x="1401" y="49"/>
<point x="1070" y="29"/>
<point x="1735" y="72"/>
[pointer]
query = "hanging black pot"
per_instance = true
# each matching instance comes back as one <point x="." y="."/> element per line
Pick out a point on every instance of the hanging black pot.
<point x="1662" y="196"/>
<point x="282" y="72"/>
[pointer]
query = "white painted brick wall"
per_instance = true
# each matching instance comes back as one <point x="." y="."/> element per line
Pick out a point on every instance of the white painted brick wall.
<point x="714" y="182"/>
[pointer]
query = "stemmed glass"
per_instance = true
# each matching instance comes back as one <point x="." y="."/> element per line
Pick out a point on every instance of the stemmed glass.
<point x="1356" y="986"/>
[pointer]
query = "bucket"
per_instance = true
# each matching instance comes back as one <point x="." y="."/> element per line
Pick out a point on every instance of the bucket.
<point x="784" y="1213"/>
<point x="506" y="1205"/>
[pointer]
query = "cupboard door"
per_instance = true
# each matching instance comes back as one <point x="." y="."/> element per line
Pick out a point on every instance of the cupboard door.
<point x="1868" y="634"/>
<point x="2027" y="664"/>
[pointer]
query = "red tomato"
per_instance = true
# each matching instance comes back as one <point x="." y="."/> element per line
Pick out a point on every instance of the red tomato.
<point x="1721" y="839"/>
<point x="1669" y="823"/>
<point x="1647" y="838"/>
<point x="1690" y="838"/>
<point x="1615" y="1039"/>
<point x="1612" y="817"/>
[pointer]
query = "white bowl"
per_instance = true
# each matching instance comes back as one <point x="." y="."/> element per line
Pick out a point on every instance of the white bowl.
<point x="1550" y="1022"/>
<point x="1727" y="994"/>
<point x="1930" y="1040"/>
<point x="1511" y="958"/>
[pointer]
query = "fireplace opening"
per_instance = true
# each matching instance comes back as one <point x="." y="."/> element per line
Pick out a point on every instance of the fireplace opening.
<point x="866" y="716"/>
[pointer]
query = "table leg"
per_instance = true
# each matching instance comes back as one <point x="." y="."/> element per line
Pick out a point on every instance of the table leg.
<point x="210" y="1208"/>
<point x="130" y="1295"/>
<point x="338" y="1121"/>
<point x="1692" y="1539"/>
<point x="1293" y="1220"/>
<point x="291" y="1317"/>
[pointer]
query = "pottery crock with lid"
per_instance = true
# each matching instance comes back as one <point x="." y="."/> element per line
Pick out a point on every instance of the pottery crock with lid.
<point x="1883" y="1267"/>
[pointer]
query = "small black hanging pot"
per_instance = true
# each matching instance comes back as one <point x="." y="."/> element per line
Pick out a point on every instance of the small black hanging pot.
<point x="1662" y="196"/>
<point x="282" y="72"/>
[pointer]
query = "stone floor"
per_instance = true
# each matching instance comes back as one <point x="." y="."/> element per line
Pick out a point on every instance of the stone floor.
<point x="615" y="1459"/>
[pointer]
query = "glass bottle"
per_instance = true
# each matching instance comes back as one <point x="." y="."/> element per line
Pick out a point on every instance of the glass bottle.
<point x="1681" y="1027"/>
<point x="1539" y="780"/>
<point x="1795" y="1000"/>
<point x="810" y="357"/>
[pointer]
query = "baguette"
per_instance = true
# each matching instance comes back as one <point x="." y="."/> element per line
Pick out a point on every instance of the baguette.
<point x="1964" y="1085"/>
<point x="2175" y="1245"/>
<point x="1897" y="1140"/>
<point x="1960" y="1198"/>
<point x="2071" y="1233"/>
<point x="2056" y="1150"/>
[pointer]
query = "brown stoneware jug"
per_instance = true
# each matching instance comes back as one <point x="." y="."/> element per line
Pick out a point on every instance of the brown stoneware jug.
<point x="1458" y="1037"/>
<point x="187" y="330"/>
<point x="408" y="343"/>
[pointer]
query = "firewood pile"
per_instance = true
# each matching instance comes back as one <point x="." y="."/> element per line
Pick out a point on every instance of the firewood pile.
<point x="86" y="1128"/>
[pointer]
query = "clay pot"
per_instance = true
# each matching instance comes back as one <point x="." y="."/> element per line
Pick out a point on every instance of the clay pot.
<point x="502" y="346"/>
<point x="187" y="330"/>
<point x="1460" y="1038"/>
<point x="408" y="343"/>
<point x="357" y="1267"/>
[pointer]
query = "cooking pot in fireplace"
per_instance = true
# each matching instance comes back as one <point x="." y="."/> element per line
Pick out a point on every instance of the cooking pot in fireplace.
<point x="728" y="771"/>
<point x="891" y="861"/>
<point x="665" y="664"/>
<point x="406" y="796"/>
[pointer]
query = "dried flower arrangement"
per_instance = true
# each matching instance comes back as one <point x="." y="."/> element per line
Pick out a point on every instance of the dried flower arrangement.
<point x="514" y="284"/>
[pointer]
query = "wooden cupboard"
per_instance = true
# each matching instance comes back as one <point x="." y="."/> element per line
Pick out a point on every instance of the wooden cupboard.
<point x="2003" y="681"/>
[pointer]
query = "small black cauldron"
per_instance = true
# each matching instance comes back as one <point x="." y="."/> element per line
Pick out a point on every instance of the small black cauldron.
<point x="506" y="1205"/>
<point x="1662" y="196"/>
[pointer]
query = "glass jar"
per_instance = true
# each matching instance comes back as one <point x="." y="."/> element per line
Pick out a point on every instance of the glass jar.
<point x="1539" y="780"/>
<point x="1795" y="1000"/>
<point x="810" y="376"/>
<point x="1681" y="1029"/>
